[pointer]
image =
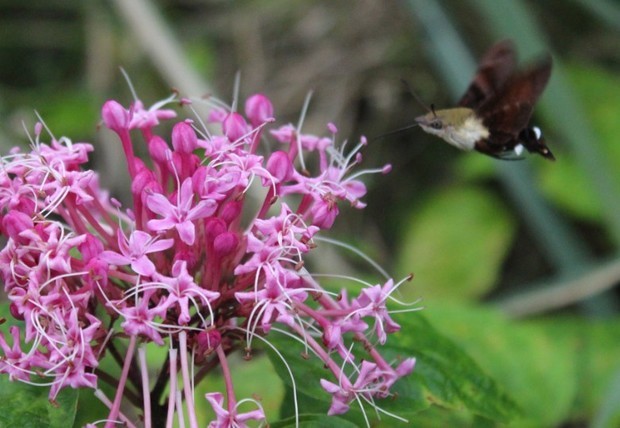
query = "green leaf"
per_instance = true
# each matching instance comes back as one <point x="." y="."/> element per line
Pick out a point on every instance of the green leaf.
<point x="456" y="243"/>
<point x="311" y="421"/>
<point x="444" y="376"/>
<point x="593" y="347"/>
<point x="538" y="368"/>
<point x="449" y="377"/>
<point x="27" y="406"/>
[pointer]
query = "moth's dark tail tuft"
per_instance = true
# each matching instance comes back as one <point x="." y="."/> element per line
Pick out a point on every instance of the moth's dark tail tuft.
<point x="534" y="142"/>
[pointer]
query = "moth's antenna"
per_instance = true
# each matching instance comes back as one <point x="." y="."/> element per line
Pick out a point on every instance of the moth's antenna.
<point x="405" y="128"/>
<point x="419" y="101"/>
<point x="417" y="98"/>
<point x="396" y="131"/>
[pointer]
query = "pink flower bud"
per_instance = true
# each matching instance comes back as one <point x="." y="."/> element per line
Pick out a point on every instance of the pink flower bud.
<point x="234" y="126"/>
<point x="199" y="178"/>
<point x="207" y="341"/>
<point x="158" y="149"/>
<point x="258" y="109"/>
<point x="15" y="312"/>
<point x="280" y="166"/>
<point x="184" y="138"/>
<point x="38" y="128"/>
<point x="186" y="255"/>
<point x="225" y="244"/>
<point x="91" y="247"/>
<point x="115" y="116"/>
<point x="406" y="367"/>
<point x="144" y="183"/>
<point x="231" y="211"/>
<point x="217" y="115"/>
<point x="213" y="228"/>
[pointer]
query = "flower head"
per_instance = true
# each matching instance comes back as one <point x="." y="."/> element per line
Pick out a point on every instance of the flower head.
<point x="191" y="264"/>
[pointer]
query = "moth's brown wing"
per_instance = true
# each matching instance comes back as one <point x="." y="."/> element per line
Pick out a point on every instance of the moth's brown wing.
<point x="496" y="67"/>
<point x="512" y="108"/>
<point x="506" y="122"/>
<point x="503" y="139"/>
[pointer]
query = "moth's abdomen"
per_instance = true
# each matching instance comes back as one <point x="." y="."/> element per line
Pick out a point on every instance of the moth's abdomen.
<point x="533" y="141"/>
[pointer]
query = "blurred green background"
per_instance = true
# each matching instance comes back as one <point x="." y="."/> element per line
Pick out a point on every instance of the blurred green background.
<point x="515" y="261"/>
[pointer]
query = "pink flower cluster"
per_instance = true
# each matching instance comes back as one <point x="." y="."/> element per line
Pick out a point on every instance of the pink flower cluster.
<point x="194" y="263"/>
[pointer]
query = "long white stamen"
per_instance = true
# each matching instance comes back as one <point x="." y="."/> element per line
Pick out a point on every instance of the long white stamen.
<point x="300" y="123"/>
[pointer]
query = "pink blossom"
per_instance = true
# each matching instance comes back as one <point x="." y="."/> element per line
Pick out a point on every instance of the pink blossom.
<point x="258" y="109"/>
<point x="372" y="302"/>
<point x="142" y="118"/>
<point x="345" y="393"/>
<point x="182" y="288"/>
<point x="139" y="319"/>
<point x="275" y="302"/>
<point x="182" y="215"/>
<point x="133" y="251"/>
<point x="225" y="418"/>
<point x="15" y="362"/>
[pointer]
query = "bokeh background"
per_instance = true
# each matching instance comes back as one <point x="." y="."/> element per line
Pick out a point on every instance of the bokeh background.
<point x="517" y="262"/>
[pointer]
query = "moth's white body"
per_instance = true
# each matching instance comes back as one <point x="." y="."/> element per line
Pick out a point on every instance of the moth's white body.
<point x="459" y="127"/>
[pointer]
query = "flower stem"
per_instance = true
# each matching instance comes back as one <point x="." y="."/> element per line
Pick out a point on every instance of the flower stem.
<point x="187" y="384"/>
<point x="230" y="391"/>
<point x="146" y="396"/>
<point x="121" y="383"/>
<point x="173" y="387"/>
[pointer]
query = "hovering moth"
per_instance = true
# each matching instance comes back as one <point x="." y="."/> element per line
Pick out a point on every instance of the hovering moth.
<point x="493" y="115"/>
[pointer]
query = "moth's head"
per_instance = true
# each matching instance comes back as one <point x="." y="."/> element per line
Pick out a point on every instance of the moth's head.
<point x="442" y="122"/>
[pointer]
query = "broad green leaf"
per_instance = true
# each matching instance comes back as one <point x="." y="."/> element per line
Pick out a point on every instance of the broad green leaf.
<point x="539" y="369"/>
<point x="449" y="377"/>
<point x="456" y="243"/>
<point x="565" y="184"/>
<point x="27" y="406"/>
<point x="444" y="376"/>
<point x="595" y="346"/>
<point x="312" y="421"/>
